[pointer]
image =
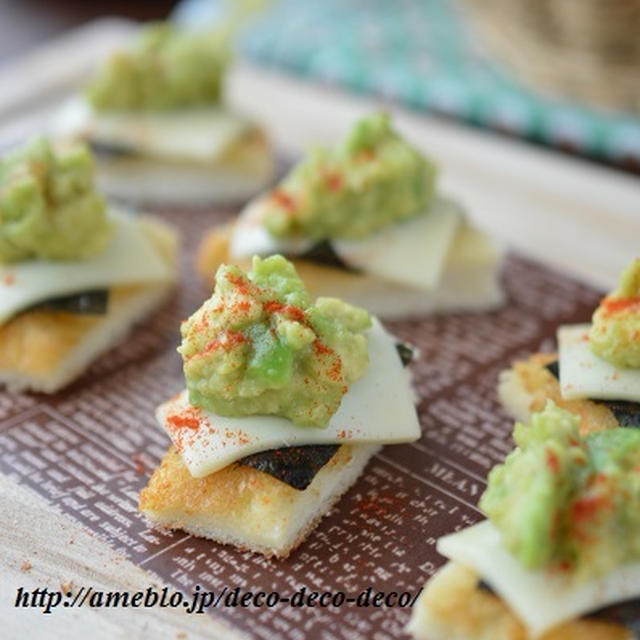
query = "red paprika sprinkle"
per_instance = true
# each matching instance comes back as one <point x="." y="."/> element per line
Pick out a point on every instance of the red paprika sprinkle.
<point x="243" y="286"/>
<point x="140" y="466"/>
<point x="552" y="462"/>
<point x="283" y="199"/>
<point x="335" y="371"/>
<point x="334" y="180"/>
<point x="189" y="418"/>
<point x="295" y="313"/>
<point x="588" y="507"/>
<point x="616" y="305"/>
<point x="321" y="348"/>
<point x="227" y="341"/>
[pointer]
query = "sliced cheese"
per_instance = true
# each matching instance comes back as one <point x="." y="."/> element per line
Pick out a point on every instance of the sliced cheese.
<point x="411" y="253"/>
<point x="196" y="134"/>
<point x="540" y="599"/>
<point x="129" y="258"/>
<point x="585" y="375"/>
<point x="470" y="282"/>
<point x="249" y="236"/>
<point x="378" y="408"/>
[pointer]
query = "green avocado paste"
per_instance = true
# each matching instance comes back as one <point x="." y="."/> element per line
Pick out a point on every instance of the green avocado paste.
<point x="259" y="346"/>
<point x="615" y="332"/>
<point x="566" y="502"/>
<point x="167" y="68"/>
<point x="49" y="208"/>
<point x="372" y="179"/>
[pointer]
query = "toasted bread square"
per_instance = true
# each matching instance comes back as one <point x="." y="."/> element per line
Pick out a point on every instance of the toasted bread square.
<point x="250" y="509"/>
<point x="528" y="385"/>
<point x="43" y="350"/>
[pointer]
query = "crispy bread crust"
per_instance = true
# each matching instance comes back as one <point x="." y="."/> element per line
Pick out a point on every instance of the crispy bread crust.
<point x="525" y="388"/>
<point x="245" y="507"/>
<point x="36" y="342"/>
<point x="43" y="350"/>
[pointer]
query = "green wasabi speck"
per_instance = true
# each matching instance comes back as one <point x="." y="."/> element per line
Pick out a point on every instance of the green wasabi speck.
<point x="167" y="68"/>
<point x="615" y="331"/>
<point x="49" y="208"/>
<point x="260" y="346"/>
<point x="567" y="502"/>
<point x="372" y="179"/>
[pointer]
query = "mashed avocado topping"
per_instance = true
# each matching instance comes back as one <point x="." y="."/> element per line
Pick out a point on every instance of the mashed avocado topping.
<point x="567" y="502"/>
<point x="372" y="179"/>
<point x="167" y="68"/>
<point x="259" y="346"/>
<point x="615" y="332"/>
<point x="49" y="208"/>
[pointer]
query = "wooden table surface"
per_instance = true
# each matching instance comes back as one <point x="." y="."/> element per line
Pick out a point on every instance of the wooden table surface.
<point x="579" y="217"/>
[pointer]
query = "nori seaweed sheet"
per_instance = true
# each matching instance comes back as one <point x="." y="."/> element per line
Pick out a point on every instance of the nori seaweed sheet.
<point x="626" y="413"/>
<point x="554" y="369"/>
<point x="626" y="613"/>
<point x="297" y="466"/>
<point x="405" y="351"/>
<point x="323" y="253"/>
<point x="93" y="302"/>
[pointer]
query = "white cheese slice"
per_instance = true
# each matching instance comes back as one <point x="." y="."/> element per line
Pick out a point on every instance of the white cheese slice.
<point x="412" y="252"/>
<point x="129" y="258"/>
<point x="249" y="237"/>
<point x="377" y="408"/>
<point x="470" y="281"/>
<point x="197" y="134"/>
<point x="585" y="375"/>
<point x="541" y="600"/>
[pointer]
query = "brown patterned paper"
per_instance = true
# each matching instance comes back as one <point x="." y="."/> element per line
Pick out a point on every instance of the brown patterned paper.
<point x="90" y="449"/>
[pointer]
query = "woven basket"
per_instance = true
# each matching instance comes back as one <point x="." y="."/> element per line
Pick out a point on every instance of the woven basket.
<point x="583" y="49"/>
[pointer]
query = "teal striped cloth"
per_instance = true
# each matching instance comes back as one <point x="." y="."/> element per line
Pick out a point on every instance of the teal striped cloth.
<point x="420" y="53"/>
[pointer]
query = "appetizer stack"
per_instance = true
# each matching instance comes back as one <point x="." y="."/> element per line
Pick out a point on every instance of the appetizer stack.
<point x="154" y="117"/>
<point x="562" y="543"/>
<point x="286" y="401"/>
<point x="363" y="221"/>
<point x="596" y="373"/>
<point x="75" y="273"/>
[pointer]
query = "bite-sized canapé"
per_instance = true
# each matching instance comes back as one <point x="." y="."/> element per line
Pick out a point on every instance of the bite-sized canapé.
<point x="596" y="372"/>
<point x="286" y="400"/>
<point x="559" y="556"/>
<point x="363" y="221"/>
<point x="75" y="273"/>
<point x="154" y="114"/>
